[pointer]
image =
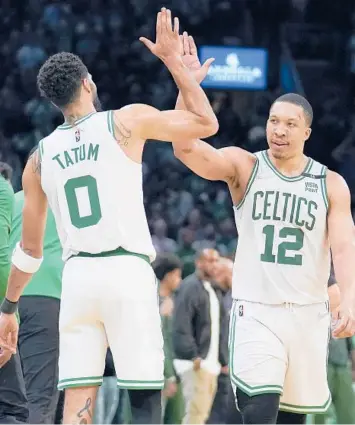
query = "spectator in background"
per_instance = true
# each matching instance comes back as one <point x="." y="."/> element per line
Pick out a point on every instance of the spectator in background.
<point x="160" y="240"/>
<point x="200" y="338"/>
<point x="341" y="362"/>
<point x="109" y="396"/>
<point x="224" y="409"/>
<point x="13" y="401"/>
<point x="39" y="315"/>
<point x="167" y="268"/>
<point x="186" y="252"/>
<point x="6" y="171"/>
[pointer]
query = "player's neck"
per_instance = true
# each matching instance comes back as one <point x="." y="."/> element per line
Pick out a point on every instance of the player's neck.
<point x="164" y="290"/>
<point x="289" y="166"/>
<point x="76" y="112"/>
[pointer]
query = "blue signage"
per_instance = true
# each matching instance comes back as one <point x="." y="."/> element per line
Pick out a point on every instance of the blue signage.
<point x="235" y="68"/>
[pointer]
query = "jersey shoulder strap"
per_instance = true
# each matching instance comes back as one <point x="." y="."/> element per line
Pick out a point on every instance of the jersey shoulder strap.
<point x="317" y="176"/>
<point x="316" y="171"/>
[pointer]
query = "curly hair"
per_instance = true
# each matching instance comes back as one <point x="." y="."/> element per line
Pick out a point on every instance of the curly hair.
<point x="59" y="78"/>
<point x="298" y="100"/>
<point x="164" y="264"/>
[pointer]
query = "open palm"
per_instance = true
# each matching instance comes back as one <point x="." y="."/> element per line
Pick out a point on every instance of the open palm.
<point x="167" y="41"/>
<point x="191" y="59"/>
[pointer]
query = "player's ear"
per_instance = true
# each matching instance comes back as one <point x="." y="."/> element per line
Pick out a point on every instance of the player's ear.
<point x="86" y="85"/>
<point x="308" y="133"/>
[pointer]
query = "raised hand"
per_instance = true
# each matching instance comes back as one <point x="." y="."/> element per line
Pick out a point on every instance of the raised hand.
<point x="190" y="57"/>
<point x="167" y="42"/>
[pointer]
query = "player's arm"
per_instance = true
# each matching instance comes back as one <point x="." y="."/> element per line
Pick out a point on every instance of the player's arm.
<point x="198" y="120"/>
<point x="342" y="240"/>
<point x="203" y="159"/>
<point x="27" y="255"/>
<point x="213" y="164"/>
<point x="139" y="121"/>
<point x="210" y="163"/>
<point x="334" y="296"/>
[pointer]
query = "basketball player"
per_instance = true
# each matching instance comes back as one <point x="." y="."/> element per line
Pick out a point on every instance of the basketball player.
<point x="39" y="312"/>
<point x="289" y="210"/>
<point x="90" y="171"/>
<point x="13" y="400"/>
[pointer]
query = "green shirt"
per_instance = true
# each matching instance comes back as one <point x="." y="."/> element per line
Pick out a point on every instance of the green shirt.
<point x="169" y="371"/>
<point x="340" y="351"/>
<point x="187" y="256"/>
<point x="6" y="210"/>
<point x="47" y="282"/>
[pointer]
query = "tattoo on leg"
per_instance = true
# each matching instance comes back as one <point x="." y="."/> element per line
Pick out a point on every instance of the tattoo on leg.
<point x="86" y="409"/>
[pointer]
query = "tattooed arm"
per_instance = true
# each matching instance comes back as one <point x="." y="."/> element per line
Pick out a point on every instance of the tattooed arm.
<point x="142" y="122"/>
<point x="34" y="222"/>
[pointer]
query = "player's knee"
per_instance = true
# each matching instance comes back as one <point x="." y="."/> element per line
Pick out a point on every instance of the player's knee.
<point x="258" y="409"/>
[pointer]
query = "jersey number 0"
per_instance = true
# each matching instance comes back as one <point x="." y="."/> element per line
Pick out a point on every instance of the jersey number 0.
<point x="89" y="184"/>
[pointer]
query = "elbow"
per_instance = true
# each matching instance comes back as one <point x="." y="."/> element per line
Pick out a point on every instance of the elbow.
<point x="211" y="127"/>
<point x="205" y="126"/>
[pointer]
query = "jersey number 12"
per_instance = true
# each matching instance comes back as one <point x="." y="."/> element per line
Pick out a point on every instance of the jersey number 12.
<point x="283" y="248"/>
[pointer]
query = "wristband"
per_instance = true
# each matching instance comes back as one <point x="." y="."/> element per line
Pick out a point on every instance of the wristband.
<point x="8" y="307"/>
<point x="25" y="262"/>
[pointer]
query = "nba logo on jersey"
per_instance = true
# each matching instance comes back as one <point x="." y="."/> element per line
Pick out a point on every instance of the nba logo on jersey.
<point x="77" y="135"/>
<point x="241" y="310"/>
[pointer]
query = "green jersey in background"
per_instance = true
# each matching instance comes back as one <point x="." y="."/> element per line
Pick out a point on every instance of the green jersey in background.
<point x="47" y="282"/>
<point x="6" y="211"/>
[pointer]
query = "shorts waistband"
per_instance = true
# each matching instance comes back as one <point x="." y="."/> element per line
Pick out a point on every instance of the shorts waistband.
<point x="283" y="305"/>
<point x="114" y="252"/>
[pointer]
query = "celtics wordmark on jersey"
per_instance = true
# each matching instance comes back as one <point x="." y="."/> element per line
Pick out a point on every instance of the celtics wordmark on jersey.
<point x="283" y="252"/>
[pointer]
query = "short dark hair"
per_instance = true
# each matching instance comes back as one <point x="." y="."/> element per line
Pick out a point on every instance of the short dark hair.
<point x="166" y="263"/>
<point x="298" y="100"/>
<point x="6" y="170"/>
<point x="59" y="78"/>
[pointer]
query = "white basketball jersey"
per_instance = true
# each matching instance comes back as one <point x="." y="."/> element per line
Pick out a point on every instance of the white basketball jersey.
<point x="283" y="252"/>
<point x="94" y="189"/>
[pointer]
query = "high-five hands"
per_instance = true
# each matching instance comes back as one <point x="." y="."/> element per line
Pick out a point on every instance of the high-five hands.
<point x="167" y="41"/>
<point x="190" y="57"/>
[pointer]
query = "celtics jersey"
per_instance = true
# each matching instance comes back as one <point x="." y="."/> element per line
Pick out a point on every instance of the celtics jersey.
<point x="283" y="252"/>
<point x="6" y="209"/>
<point x="47" y="281"/>
<point x="94" y="189"/>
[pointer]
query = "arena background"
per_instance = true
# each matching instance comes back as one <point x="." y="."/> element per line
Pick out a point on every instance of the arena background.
<point x="262" y="49"/>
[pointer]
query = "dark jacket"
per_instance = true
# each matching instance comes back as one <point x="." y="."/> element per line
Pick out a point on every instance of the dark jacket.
<point x="192" y="322"/>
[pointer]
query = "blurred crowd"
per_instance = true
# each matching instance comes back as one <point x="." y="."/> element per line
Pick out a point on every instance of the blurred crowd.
<point x="186" y="214"/>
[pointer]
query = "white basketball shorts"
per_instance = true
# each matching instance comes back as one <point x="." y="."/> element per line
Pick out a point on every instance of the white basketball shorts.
<point x="281" y="349"/>
<point x="110" y="301"/>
